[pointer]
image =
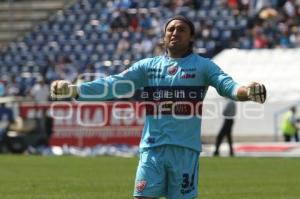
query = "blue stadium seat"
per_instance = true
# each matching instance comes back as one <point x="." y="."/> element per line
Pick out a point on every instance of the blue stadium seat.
<point x="99" y="47"/>
<point x="226" y="35"/>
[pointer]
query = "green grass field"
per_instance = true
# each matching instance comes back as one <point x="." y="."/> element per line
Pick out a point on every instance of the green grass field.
<point x="37" y="177"/>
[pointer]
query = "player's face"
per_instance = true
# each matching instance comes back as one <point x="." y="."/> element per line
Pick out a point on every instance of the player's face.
<point x="178" y="36"/>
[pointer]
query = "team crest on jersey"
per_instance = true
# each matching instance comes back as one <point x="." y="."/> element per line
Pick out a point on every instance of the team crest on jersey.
<point x="140" y="185"/>
<point x="172" y="70"/>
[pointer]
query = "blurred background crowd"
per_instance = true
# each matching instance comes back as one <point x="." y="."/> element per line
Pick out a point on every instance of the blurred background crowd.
<point x="91" y="36"/>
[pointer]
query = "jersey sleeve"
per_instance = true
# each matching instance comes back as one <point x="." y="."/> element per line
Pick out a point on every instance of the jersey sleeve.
<point x="121" y="85"/>
<point x="222" y="82"/>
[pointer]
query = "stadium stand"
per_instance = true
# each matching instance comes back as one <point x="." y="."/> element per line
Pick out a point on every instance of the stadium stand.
<point x="107" y="36"/>
<point x="96" y="33"/>
<point x="18" y="17"/>
<point x="82" y="36"/>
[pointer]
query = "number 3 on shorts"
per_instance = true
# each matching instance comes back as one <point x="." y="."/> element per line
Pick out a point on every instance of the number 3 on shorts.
<point x="186" y="182"/>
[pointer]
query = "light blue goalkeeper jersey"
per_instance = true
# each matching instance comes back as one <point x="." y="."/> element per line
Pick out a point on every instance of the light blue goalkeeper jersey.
<point x="173" y="91"/>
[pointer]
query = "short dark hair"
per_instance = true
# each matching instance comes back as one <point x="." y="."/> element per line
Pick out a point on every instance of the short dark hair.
<point x="184" y="19"/>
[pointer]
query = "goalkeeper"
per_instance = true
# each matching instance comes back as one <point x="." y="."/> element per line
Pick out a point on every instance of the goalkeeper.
<point x="174" y="84"/>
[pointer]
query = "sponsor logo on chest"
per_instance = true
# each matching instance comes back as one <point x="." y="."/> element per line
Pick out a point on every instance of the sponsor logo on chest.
<point x="188" y="76"/>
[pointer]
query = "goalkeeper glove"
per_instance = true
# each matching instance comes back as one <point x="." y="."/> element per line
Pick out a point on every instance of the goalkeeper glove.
<point x="62" y="89"/>
<point x="257" y="92"/>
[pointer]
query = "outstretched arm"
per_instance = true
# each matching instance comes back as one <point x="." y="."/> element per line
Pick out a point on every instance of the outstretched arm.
<point x="227" y="87"/>
<point x="111" y="87"/>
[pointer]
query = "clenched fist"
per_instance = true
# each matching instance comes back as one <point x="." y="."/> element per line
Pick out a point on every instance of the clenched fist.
<point x="257" y="92"/>
<point x="63" y="89"/>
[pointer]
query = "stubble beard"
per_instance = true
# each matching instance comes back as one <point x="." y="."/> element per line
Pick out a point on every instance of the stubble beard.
<point x="177" y="49"/>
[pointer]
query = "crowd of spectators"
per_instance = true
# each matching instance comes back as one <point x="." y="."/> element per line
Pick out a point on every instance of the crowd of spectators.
<point x="130" y="30"/>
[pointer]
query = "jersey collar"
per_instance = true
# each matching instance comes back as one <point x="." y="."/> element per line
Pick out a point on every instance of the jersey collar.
<point x="178" y="59"/>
